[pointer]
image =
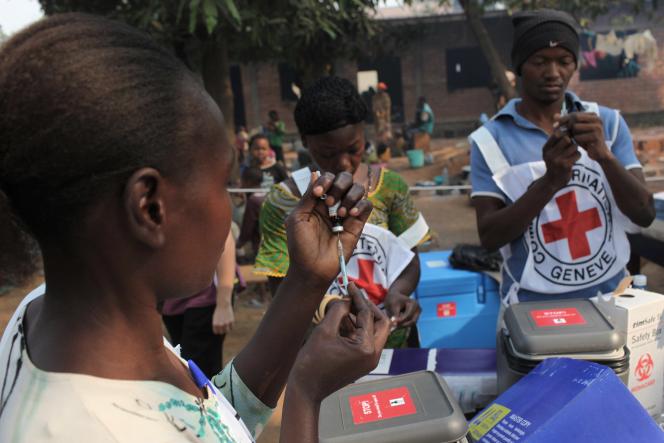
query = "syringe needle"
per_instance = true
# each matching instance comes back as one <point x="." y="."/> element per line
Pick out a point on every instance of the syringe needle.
<point x="342" y="265"/>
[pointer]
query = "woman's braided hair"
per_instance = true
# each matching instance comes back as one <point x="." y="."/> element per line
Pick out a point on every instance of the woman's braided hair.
<point x="84" y="102"/>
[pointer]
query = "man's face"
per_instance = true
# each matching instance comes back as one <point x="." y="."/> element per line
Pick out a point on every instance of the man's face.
<point x="547" y="73"/>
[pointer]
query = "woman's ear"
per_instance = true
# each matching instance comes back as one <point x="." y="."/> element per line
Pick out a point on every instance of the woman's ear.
<point x="145" y="206"/>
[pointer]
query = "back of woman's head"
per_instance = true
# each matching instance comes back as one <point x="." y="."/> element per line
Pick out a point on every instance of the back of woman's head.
<point x="82" y="99"/>
<point x="84" y="102"/>
<point x="328" y="104"/>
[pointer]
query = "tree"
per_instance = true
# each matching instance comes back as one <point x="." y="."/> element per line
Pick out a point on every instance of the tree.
<point x="322" y="32"/>
<point x="473" y="11"/>
<point x="193" y="28"/>
<point x="309" y="34"/>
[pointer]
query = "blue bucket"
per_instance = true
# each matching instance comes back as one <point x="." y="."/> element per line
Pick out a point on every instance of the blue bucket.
<point x="415" y="158"/>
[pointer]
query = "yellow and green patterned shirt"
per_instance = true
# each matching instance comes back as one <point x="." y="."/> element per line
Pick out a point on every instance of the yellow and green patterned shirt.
<point x="393" y="209"/>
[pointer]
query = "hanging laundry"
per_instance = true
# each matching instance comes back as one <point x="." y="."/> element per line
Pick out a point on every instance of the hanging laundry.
<point x="589" y="58"/>
<point x="642" y="46"/>
<point x="609" y="43"/>
<point x="630" y="69"/>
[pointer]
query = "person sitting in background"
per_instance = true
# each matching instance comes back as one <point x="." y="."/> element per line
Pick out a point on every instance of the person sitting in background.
<point x="124" y="188"/>
<point x="422" y="128"/>
<point x="424" y="117"/>
<point x="273" y="172"/>
<point x="381" y="106"/>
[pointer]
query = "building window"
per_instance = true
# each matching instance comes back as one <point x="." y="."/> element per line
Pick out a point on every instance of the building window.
<point x="467" y="68"/>
<point x="289" y="83"/>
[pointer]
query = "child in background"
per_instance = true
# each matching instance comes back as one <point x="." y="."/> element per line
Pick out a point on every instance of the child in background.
<point x="273" y="172"/>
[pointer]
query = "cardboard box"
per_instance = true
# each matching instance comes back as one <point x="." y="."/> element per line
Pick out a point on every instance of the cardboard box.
<point x="562" y="401"/>
<point x="637" y="315"/>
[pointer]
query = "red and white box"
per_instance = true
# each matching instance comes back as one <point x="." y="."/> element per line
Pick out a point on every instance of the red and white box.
<point x="639" y="315"/>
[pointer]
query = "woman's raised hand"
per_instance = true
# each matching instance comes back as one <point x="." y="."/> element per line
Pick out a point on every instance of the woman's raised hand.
<point x="312" y="246"/>
<point x="345" y="346"/>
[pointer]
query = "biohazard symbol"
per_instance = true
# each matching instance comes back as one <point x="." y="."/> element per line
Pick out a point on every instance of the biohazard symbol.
<point x="644" y="367"/>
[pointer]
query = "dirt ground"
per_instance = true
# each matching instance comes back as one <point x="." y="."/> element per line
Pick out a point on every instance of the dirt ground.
<point x="451" y="217"/>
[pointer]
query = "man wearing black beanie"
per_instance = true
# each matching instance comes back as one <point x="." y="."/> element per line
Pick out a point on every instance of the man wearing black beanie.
<point x="556" y="182"/>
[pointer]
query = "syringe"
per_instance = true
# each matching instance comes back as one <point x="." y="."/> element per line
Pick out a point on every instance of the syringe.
<point x="338" y="228"/>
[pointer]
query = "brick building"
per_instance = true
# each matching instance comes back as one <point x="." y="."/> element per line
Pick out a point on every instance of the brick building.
<point x="439" y="57"/>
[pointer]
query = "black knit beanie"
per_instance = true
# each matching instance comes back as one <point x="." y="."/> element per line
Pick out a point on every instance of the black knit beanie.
<point x="543" y="28"/>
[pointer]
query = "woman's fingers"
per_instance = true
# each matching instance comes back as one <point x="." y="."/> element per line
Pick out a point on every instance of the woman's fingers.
<point x="362" y="308"/>
<point x="382" y="326"/>
<point x="331" y="190"/>
<point x="371" y="322"/>
<point x="352" y="197"/>
<point x="317" y="188"/>
<point x="356" y="298"/>
<point x="342" y="183"/>
<point x="410" y="313"/>
<point x="334" y="316"/>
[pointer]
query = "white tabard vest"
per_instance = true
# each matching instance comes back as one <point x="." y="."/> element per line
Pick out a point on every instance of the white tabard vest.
<point x="579" y="239"/>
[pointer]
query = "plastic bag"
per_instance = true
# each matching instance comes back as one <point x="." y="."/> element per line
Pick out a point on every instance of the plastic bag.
<point x="475" y="258"/>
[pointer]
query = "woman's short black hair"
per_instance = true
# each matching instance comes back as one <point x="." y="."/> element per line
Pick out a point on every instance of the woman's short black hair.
<point x="330" y="103"/>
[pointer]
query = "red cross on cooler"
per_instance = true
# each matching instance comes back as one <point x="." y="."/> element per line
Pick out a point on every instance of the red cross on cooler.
<point x="572" y="226"/>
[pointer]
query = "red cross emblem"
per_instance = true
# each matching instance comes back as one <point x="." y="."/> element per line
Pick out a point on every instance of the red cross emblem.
<point x="572" y="226"/>
<point x="375" y="291"/>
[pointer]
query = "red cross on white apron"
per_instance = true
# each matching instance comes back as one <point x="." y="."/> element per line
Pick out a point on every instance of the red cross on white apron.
<point x="366" y="281"/>
<point x="572" y="226"/>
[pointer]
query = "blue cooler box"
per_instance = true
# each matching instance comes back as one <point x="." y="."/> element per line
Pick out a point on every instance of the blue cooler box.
<point x="459" y="308"/>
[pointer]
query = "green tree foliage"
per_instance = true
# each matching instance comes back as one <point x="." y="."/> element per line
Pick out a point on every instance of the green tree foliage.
<point x="309" y="34"/>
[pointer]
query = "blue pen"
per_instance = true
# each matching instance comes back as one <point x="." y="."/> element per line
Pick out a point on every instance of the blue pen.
<point x="199" y="377"/>
<point x="201" y="381"/>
